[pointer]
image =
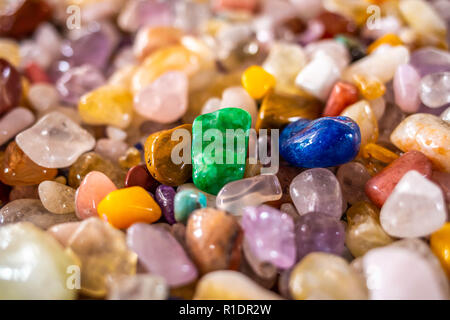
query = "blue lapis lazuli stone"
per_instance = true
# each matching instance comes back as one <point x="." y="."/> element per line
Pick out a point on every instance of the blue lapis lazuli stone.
<point x="320" y="143"/>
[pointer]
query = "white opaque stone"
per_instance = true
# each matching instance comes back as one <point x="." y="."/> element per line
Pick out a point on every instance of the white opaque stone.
<point x="337" y="51"/>
<point x="43" y="96"/>
<point x="319" y="76"/>
<point x="378" y="106"/>
<point x="394" y="273"/>
<point x="435" y="89"/>
<point x="211" y="105"/>
<point x="115" y="133"/>
<point x="55" y="141"/>
<point x="415" y="208"/>
<point x="13" y="122"/>
<point x="236" y="195"/>
<point x="317" y="190"/>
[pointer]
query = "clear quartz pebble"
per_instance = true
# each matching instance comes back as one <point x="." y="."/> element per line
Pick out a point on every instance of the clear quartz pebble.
<point x="317" y="190"/>
<point x="13" y="122"/>
<point x="435" y="89"/>
<point x="415" y="208"/>
<point x="137" y="287"/>
<point x="55" y="141"/>
<point x="57" y="197"/>
<point x="236" y="195"/>
<point x="43" y="96"/>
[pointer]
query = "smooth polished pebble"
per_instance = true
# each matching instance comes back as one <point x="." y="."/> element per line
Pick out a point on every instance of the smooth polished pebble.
<point x="352" y="178"/>
<point x="57" y="197"/>
<point x="440" y="245"/>
<point x="362" y="113"/>
<point x="15" y="121"/>
<point x="187" y="201"/>
<point x="137" y="287"/>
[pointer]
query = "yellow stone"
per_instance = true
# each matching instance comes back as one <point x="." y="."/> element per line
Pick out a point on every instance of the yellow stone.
<point x="230" y="285"/>
<point x="364" y="231"/>
<point x="131" y="158"/>
<point x="370" y="87"/>
<point x="354" y="9"/>
<point x="107" y="105"/>
<point x="324" y="276"/>
<point x="389" y="38"/>
<point x="123" y="207"/>
<point x="9" y="50"/>
<point x="375" y="151"/>
<point x="440" y="245"/>
<point x="362" y="114"/>
<point x="257" y="81"/>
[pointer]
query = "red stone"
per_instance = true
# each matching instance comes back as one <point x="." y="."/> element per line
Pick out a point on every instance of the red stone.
<point x="35" y="73"/>
<point x="21" y="17"/>
<point x="342" y="95"/>
<point x="380" y="186"/>
<point x="139" y="176"/>
<point x="336" y="24"/>
<point x="244" y="5"/>
<point x="10" y="87"/>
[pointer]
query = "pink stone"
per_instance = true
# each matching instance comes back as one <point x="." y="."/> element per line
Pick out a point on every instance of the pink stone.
<point x="13" y="122"/>
<point x="406" y="88"/>
<point x="62" y="232"/>
<point x="94" y="187"/>
<point x="111" y="149"/>
<point x="164" y="100"/>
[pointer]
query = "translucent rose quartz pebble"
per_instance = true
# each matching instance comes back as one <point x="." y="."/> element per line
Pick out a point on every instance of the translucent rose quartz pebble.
<point x="317" y="190"/>
<point x="236" y="195"/>
<point x="384" y="269"/>
<point x="165" y="99"/>
<point x="55" y="141"/>
<point x="13" y="122"/>
<point x="415" y="208"/>
<point x="102" y="251"/>
<point x="161" y="254"/>
<point x="137" y="287"/>
<point x="435" y="89"/>
<point x="231" y="285"/>
<point x="30" y="259"/>
<point x="324" y="276"/>
<point x="270" y="235"/>
<point x="380" y="64"/>
<point x="407" y="88"/>
<point x="425" y="133"/>
<point x="57" y="197"/>
<point x="63" y="231"/>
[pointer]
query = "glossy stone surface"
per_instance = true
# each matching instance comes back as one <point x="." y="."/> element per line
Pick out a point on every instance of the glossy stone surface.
<point x="14" y="122"/>
<point x="29" y="258"/>
<point x="123" y="207"/>
<point x="138" y="287"/>
<point x="407" y="88"/>
<point x="94" y="187"/>
<point x="18" y="170"/>
<point x="165" y="196"/>
<point x="210" y="199"/>
<point x="324" y="142"/>
<point x="32" y="210"/>
<point x="317" y="232"/>
<point x="10" y="87"/>
<point x="160" y="162"/>
<point x="415" y="208"/>
<point x="57" y="197"/>
<point x="55" y="141"/>
<point x="257" y="81"/>
<point x="165" y="99"/>
<point x="237" y="195"/>
<point x="186" y="202"/>
<point x="435" y="89"/>
<point x="140" y="177"/>
<point x="270" y="235"/>
<point x="362" y="113"/>
<point x="160" y="253"/>
<point x="416" y="133"/>
<point x="91" y="161"/>
<point x="440" y="245"/>
<point x="324" y="276"/>
<point x="107" y="105"/>
<point x="364" y="231"/>
<point x="317" y="190"/>
<point x="430" y="60"/>
<point x="342" y="95"/>
<point x="209" y="238"/>
<point x="211" y="170"/>
<point x="230" y="285"/>
<point x="279" y="109"/>
<point x="352" y="178"/>
<point x="379" y="187"/>
<point x="102" y="251"/>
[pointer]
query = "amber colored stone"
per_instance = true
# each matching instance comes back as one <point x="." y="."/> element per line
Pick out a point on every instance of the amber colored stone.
<point x="131" y="158"/>
<point x="379" y="187"/>
<point x="5" y="193"/>
<point x="150" y="39"/>
<point x="336" y="24"/>
<point x="158" y="156"/>
<point x="139" y="176"/>
<point x="342" y="95"/>
<point x="92" y="161"/>
<point x="210" y="235"/>
<point x="10" y="87"/>
<point x="370" y="87"/>
<point x="24" y="192"/>
<point x="20" y="17"/>
<point x="278" y="110"/>
<point x="389" y="38"/>
<point x="16" y="169"/>
<point x="364" y="231"/>
<point x="440" y="245"/>
<point x="375" y="151"/>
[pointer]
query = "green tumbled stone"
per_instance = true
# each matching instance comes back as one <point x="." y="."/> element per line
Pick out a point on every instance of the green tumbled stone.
<point x="216" y="162"/>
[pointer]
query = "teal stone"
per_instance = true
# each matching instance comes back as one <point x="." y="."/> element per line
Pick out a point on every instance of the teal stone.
<point x="186" y="202"/>
<point x="219" y="148"/>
